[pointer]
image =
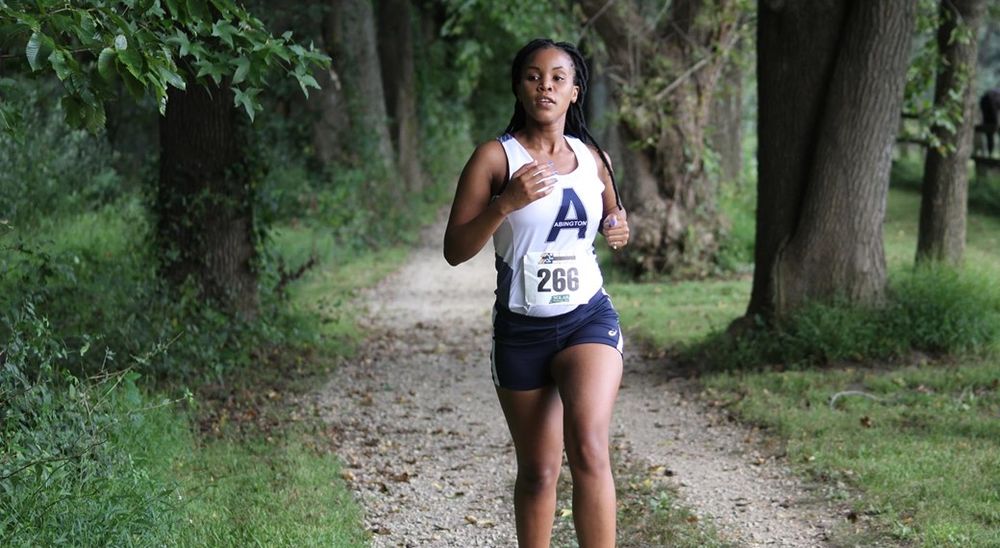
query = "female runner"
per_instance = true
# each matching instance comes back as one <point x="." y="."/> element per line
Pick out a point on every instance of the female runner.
<point x="542" y="191"/>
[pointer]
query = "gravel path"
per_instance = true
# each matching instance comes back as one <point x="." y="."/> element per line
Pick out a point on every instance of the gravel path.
<point x="428" y="454"/>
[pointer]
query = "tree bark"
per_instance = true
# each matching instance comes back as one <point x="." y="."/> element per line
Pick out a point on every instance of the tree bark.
<point x="830" y="86"/>
<point x="350" y="38"/>
<point x="204" y="200"/>
<point x="667" y="71"/>
<point x="946" y="177"/>
<point x="726" y="122"/>
<point x="399" y="80"/>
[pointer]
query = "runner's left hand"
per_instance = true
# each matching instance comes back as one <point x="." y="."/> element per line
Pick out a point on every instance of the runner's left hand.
<point x="616" y="230"/>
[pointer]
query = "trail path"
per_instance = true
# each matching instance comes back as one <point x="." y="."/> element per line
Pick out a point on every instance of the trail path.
<point x="428" y="455"/>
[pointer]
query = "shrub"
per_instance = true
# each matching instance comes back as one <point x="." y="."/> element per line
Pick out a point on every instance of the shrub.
<point x="934" y="309"/>
<point x="52" y="169"/>
<point x="72" y="451"/>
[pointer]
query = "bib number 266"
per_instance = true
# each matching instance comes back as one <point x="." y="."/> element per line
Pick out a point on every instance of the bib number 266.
<point x="558" y="279"/>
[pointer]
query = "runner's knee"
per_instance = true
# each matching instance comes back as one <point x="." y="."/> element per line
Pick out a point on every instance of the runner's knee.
<point x="538" y="477"/>
<point x="588" y="453"/>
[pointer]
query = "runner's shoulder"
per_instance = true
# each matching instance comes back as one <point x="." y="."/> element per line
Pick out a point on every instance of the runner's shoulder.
<point x="489" y="157"/>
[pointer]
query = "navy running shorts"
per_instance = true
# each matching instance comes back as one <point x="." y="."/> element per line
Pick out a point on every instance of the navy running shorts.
<point x="523" y="346"/>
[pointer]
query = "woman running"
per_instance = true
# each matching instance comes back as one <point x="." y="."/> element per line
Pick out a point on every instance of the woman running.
<point x="543" y="191"/>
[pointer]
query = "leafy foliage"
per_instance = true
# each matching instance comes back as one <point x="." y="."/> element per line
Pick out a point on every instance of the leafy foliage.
<point x="51" y="171"/>
<point x="919" y="105"/>
<point x="149" y="45"/>
<point x="486" y="35"/>
<point x="71" y="450"/>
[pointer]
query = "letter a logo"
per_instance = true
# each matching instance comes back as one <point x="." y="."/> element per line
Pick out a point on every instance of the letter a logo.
<point x="562" y="223"/>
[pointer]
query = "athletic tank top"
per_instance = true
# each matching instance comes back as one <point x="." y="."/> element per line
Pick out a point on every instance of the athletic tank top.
<point x="545" y="259"/>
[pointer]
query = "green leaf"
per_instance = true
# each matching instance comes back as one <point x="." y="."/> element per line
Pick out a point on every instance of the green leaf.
<point x="133" y="61"/>
<point x="225" y="7"/>
<point x="247" y="99"/>
<point x="242" y="68"/>
<point x="198" y="10"/>
<point x="180" y="39"/>
<point x="60" y="64"/>
<point x="212" y="70"/>
<point x="106" y="63"/>
<point x="224" y="31"/>
<point x="175" y="9"/>
<point x="306" y="81"/>
<point x="73" y="107"/>
<point x="171" y="77"/>
<point x="32" y="49"/>
<point x="133" y="84"/>
<point x="156" y="10"/>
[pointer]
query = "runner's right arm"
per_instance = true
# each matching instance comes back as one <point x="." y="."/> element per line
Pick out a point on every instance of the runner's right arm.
<point x="474" y="218"/>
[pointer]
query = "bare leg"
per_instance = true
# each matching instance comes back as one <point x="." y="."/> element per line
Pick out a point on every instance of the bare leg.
<point x="535" y="421"/>
<point x="588" y="376"/>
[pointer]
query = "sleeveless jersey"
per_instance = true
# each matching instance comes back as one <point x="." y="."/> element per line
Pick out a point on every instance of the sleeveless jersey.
<point x="545" y="259"/>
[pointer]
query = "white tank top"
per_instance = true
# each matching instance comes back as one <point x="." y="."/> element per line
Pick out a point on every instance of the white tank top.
<point x="545" y="259"/>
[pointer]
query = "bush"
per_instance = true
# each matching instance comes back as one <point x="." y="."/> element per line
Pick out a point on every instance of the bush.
<point x="52" y="169"/>
<point x="72" y="451"/>
<point x="942" y="310"/>
<point x="984" y="192"/>
<point x="933" y="309"/>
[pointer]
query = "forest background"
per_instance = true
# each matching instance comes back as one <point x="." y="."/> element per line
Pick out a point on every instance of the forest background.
<point x="192" y="192"/>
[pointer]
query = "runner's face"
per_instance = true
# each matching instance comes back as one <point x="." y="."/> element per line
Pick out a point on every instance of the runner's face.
<point x="546" y="89"/>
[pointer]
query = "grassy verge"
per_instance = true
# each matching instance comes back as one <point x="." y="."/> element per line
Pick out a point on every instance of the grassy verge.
<point x="264" y="472"/>
<point x="264" y="492"/>
<point x="913" y="444"/>
<point x="95" y="457"/>
<point x="921" y="442"/>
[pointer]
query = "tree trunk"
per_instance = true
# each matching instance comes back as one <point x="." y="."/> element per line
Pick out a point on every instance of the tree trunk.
<point x="204" y="200"/>
<point x="350" y="39"/>
<point x="330" y="138"/>
<point x="830" y="86"/>
<point x="399" y="79"/>
<point x="726" y="122"/>
<point x="946" y="177"/>
<point x="667" y="71"/>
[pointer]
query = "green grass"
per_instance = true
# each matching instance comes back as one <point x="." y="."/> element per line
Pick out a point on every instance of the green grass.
<point x="926" y="454"/>
<point x="266" y="480"/>
<point x="672" y="314"/>
<point x="278" y="492"/>
<point x="920" y="463"/>
<point x="324" y="294"/>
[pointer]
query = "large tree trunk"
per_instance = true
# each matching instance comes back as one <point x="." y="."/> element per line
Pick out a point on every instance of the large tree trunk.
<point x="204" y="202"/>
<point x="667" y="72"/>
<point x="830" y="86"/>
<point x="350" y="40"/>
<point x="399" y="79"/>
<point x="946" y="176"/>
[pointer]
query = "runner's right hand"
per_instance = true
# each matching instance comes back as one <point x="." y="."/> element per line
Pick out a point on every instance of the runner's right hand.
<point x="531" y="182"/>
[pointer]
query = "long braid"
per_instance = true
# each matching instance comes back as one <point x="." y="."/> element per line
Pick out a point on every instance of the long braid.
<point x="576" y="121"/>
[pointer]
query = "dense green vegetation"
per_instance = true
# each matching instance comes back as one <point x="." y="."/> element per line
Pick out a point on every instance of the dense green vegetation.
<point x="131" y="412"/>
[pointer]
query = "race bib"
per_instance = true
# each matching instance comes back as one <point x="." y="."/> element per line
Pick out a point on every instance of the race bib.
<point x="553" y="277"/>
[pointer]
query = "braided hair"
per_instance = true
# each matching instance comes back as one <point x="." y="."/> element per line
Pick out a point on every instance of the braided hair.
<point x="576" y="122"/>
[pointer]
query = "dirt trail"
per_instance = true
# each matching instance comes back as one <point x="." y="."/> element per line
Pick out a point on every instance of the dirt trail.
<point x="428" y="455"/>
